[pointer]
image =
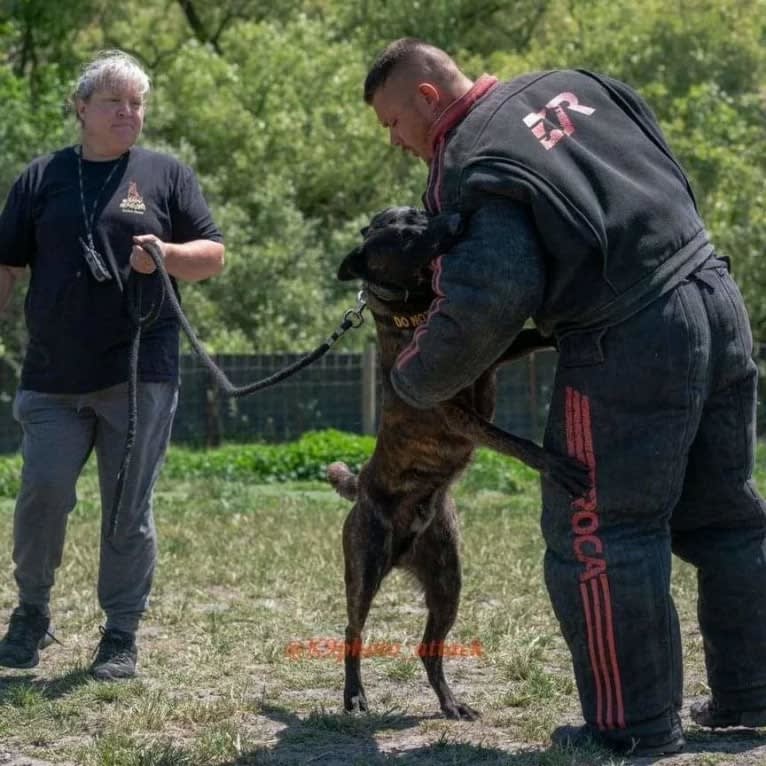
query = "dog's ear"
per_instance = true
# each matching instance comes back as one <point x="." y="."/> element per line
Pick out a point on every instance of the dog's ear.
<point x="442" y="233"/>
<point x="353" y="266"/>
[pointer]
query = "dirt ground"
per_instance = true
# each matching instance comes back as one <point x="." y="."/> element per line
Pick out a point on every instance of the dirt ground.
<point x="405" y="740"/>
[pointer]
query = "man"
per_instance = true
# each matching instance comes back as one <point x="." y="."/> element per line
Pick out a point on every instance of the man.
<point x="582" y="219"/>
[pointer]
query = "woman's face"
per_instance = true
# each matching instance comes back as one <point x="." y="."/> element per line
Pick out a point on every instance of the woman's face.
<point x="111" y="120"/>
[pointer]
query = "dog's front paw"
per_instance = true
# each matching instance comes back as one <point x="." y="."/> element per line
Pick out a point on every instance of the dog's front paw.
<point x="568" y="473"/>
<point x="459" y="711"/>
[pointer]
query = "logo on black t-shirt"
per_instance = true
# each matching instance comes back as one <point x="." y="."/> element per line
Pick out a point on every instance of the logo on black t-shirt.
<point x="134" y="202"/>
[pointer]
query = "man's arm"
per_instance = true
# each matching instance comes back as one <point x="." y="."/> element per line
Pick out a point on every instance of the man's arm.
<point x="190" y="261"/>
<point x="8" y="277"/>
<point x="487" y="286"/>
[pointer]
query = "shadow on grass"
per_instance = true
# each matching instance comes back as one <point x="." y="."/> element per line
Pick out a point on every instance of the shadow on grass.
<point x="340" y="739"/>
<point x="724" y="741"/>
<point x="45" y="688"/>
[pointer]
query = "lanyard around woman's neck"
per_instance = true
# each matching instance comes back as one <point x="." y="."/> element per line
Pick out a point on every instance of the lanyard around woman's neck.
<point x="93" y="258"/>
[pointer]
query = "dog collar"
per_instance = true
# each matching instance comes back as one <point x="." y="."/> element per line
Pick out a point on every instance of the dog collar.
<point x="397" y="307"/>
<point x="388" y="294"/>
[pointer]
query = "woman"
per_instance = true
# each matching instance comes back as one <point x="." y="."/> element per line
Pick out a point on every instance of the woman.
<point x="77" y="218"/>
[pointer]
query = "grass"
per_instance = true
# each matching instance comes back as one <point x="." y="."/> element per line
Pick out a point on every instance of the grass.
<point x="248" y="571"/>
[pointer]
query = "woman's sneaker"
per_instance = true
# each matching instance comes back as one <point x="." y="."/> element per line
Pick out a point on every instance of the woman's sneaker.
<point x="115" y="656"/>
<point x="29" y="630"/>
<point x="709" y="714"/>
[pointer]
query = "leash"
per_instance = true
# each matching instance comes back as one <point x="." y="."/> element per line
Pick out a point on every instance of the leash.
<point x="352" y="318"/>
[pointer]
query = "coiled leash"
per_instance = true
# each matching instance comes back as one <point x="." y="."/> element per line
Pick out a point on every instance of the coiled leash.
<point x="352" y="318"/>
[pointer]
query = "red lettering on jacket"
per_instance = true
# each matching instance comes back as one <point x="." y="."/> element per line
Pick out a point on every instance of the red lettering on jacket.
<point x="535" y="121"/>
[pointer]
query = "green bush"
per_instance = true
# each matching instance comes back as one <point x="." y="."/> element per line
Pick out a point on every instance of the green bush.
<point x="10" y="475"/>
<point x="307" y="459"/>
<point x="493" y="471"/>
<point x="303" y="460"/>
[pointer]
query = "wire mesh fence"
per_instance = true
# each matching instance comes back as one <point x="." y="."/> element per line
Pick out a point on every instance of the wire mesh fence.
<point x="340" y="390"/>
<point x="328" y="394"/>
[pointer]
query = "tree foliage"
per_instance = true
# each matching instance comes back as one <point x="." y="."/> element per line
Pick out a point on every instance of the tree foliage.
<point x="264" y="101"/>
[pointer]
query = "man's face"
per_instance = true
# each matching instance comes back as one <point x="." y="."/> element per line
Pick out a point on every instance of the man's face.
<point x="408" y="113"/>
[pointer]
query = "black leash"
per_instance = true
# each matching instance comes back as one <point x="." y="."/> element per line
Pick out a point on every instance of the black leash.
<point x="352" y="318"/>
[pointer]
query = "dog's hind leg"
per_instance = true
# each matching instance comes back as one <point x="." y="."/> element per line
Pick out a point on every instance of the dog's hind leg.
<point x="436" y="563"/>
<point x="367" y="555"/>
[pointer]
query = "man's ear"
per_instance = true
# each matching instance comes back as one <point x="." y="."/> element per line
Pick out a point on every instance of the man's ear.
<point x="429" y="93"/>
<point x="353" y="266"/>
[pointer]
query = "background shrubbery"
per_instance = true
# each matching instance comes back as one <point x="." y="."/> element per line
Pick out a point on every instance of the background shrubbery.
<point x="10" y="475"/>
<point x="302" y="460"/>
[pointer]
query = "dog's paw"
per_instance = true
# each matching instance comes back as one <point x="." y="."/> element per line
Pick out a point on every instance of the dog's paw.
<point x="337" y="472"/>
<point x="343" y="480"/>
<point x="459" y="711"/>
<point x="356" y="703"/>
<point x="568" y="473"/>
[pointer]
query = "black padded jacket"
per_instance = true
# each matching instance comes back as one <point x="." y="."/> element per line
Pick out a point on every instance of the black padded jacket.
<point x="579" y="216"/>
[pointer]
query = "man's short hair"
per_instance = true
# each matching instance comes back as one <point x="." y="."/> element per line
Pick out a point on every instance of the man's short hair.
<point x="397" y="53"/>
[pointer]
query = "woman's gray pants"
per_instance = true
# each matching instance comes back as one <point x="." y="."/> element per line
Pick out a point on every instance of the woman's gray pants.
<point x="59" y="433"/>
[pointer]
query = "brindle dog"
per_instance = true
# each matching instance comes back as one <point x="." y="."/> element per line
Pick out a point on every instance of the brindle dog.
<point x="403" y="514"/>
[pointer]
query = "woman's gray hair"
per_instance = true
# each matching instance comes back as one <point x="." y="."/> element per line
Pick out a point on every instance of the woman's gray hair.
<point x="109" y="68"/>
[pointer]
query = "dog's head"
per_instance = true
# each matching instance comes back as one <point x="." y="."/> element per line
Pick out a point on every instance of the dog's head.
<point x="399" y="244"/>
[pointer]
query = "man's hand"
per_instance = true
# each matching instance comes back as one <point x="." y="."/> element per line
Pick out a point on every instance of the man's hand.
<point x="140" y="260"/>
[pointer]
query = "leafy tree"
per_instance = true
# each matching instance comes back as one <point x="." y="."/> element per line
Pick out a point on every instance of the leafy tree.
<point x="701" y="65"/>
<point x="296" y="160"/>
<point x="264" y="101"/>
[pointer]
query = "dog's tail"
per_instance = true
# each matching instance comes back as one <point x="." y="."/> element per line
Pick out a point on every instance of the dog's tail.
<point x="343" y="480"/>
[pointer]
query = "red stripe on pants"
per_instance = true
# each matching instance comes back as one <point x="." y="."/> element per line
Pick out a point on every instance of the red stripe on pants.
<point x="594" y="582"/>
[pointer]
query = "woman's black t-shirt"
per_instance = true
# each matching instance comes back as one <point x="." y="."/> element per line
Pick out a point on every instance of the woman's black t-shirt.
<point x="79" y="328"/>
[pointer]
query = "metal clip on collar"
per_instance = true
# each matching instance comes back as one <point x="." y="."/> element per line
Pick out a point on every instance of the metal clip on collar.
<point x="354" y="315"/>
<point x="351" y="319"/>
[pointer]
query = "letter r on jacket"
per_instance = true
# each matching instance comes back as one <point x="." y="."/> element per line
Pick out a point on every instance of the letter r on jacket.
<point x="559" y="104"/>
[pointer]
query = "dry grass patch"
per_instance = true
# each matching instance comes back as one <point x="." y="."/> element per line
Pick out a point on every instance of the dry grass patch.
<point x="247" y="571"/>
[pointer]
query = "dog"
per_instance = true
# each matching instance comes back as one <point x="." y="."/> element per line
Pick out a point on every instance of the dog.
<point x="403" y="513"/>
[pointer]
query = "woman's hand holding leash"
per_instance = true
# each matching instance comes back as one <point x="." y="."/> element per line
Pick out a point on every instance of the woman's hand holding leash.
<point x="140" y="260"/>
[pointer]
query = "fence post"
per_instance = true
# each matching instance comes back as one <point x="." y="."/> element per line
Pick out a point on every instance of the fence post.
<point x="212" y="412"/>
<point x="369" y="388"/>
